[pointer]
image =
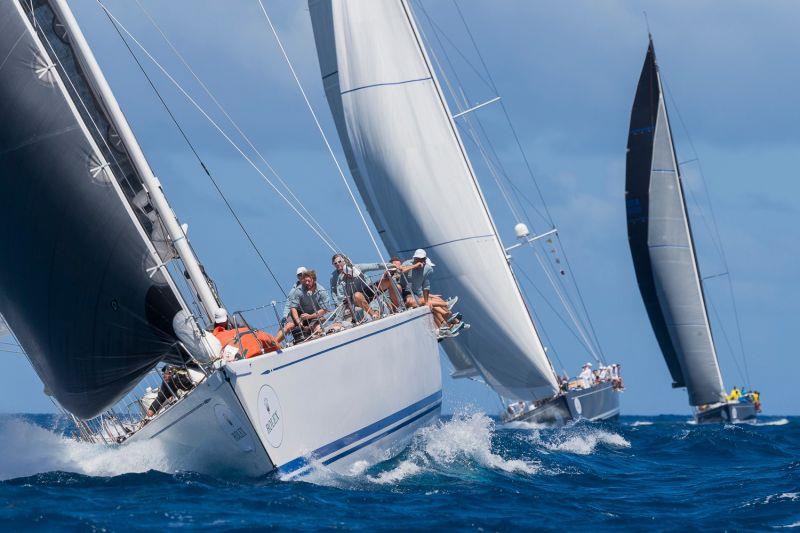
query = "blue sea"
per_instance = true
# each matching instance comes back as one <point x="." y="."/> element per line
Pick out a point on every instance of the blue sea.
<point x="466" y="472"/>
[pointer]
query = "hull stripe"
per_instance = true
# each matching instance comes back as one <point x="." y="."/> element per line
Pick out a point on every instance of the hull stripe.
<point x="429" y="404"/>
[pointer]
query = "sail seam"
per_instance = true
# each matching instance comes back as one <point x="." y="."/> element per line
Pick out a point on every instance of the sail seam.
<point x="384" y="84"/>
<point x="447" y="242"/>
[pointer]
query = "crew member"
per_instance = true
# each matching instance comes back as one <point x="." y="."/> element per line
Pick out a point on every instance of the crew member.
<point x="586" y="375"/>
<point x="242" y="342"/>
<point x="312" y="304"/>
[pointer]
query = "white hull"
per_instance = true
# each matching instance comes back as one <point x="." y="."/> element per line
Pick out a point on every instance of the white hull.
<point x="358" y="395"/>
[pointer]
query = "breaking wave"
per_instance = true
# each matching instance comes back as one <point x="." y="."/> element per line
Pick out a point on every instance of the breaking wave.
<point x="37" y="450"/>
<point x="579" y="439"/>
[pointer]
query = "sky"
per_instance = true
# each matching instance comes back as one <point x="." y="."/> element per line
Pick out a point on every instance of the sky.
<point x="567" y="73"/>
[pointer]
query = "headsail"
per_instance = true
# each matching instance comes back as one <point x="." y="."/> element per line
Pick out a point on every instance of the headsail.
<point x="413" y="173"/>
<point x="82" y="284"/>
<point x="661" y="244"/>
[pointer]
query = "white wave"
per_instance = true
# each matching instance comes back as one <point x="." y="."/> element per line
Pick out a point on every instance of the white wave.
<point x="787" y="526"/>
<point x="580" y="440"/>
<point x="469" y="437"/>
<point x="639" y="423"/>
<point x="398" y="473"/>
<point x="30" y="449"/>
<point x="779" y="422"/>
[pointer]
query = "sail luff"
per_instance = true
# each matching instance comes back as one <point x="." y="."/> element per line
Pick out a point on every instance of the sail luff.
<point x="411" y="169"/>
<point x="166" y="214"/>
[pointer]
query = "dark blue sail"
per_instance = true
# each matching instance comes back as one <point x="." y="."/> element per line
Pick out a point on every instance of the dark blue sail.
<point x="662" y="247"/>
<point x="79" y="285"/>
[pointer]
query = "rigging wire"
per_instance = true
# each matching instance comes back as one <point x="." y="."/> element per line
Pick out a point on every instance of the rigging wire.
<point x="197" y="156"/>
<point x="324" y="137"/>
<point x="566" y="298"/>
<point x="529" y="170"/>
<point x="232" y="121"/>
<point x="218" y="128"/>
<point x="716" y="238"/>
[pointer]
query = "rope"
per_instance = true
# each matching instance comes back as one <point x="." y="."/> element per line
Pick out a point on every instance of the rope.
<point x="216" y="126"/>
<point x="322" y="133"/>
<point x="233" y="122"/>
<point x="197" y="156"/>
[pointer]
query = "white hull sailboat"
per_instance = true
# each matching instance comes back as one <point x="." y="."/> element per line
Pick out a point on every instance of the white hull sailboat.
<point x="406" y="155"/>
<point x="664" y="257"/>
<point x="90" y="293"/>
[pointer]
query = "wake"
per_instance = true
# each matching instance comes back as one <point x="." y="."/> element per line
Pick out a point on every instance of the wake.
<point x="30" y="449"/>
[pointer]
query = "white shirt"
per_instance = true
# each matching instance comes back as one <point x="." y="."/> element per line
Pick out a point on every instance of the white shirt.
<point x="587" y="377"/>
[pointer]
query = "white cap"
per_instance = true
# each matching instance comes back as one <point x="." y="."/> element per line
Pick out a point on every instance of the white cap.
<point x="220" y="316"/>
<point x="420" y="254"/>
<point x="301" y="270"/>
<point x="587" y="364"/>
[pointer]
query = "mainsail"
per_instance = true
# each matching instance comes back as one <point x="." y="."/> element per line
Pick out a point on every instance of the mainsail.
<point x="411" y="168"/>
<point x="661" y="244"/>
<point x="84" y="287"/>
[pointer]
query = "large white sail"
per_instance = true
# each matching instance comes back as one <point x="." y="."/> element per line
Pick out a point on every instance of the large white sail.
<point x="413" y="173"/>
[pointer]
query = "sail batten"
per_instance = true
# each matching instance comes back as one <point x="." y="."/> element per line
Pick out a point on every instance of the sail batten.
<point x="414" y="175"/>
<point x="662" y="247"/>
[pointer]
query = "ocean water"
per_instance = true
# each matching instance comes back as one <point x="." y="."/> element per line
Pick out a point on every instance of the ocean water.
<point x="465" y="472"/>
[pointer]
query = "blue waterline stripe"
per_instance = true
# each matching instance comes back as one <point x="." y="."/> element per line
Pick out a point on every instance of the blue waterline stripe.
<point x="340" y="345"/>
<point x="384" y="84"/>
<point x="446" y="242"/>
<point x="333" y="447"/>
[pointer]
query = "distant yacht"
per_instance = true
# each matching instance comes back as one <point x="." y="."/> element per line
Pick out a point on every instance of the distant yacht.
<point x="663" y="251"/>
<point x="412" y="170"/>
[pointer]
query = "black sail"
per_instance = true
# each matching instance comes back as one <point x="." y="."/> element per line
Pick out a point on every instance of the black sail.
<point x="77" y="227"/>
<point x="661" y="245"/>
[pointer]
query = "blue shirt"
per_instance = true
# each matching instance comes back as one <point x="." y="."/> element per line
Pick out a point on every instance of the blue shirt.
<point x="291" y="299"/>
<point x="419" y="278"/>
<point x="338" y="280"/>
<point x="319" y="295"/>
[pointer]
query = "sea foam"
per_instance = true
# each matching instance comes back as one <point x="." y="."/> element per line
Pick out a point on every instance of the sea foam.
<point x="31" y="449"/>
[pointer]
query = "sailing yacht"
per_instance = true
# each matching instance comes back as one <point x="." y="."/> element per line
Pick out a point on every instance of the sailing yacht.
<point x="93" y="254"/>
<point x="664" y="258"/>
<point x="415" y="177"/>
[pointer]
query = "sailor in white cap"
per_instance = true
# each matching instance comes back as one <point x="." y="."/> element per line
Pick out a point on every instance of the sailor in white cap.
<point x="220" y="318"/>
<point x="586" y="375"/>
<point x="419" y="285"/>
<point x="292" y="297"/>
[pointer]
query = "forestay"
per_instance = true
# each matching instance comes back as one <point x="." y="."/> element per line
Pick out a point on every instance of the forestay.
<point x="411" y="169"/>
<point x="81" y="285"/>
<point x="661" y="245"/>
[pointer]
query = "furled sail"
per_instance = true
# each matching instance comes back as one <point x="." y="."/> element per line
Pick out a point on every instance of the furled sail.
<point x="412" y="171"/>
<point x="661" y="244"/>
<point x="82" y="287"/>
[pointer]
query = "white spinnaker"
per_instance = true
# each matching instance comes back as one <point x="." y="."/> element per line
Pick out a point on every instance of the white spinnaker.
<point x="412" y="171"/>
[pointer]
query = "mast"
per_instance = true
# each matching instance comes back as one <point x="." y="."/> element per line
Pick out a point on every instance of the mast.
<point x="166" y="214"/>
